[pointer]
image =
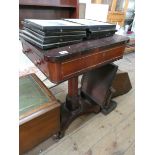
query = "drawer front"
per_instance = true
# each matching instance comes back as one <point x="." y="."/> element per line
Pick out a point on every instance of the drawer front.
<point x="36" y="59"/>
<point x="81" y="64"/>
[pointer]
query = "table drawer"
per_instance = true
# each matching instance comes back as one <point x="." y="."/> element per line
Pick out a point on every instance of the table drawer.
<point x="38" y="60"/>
<point x="59" y="71"/>
<point x="90" y="61"/>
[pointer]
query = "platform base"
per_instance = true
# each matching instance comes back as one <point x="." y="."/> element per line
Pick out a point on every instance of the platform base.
<point x="95" y="95"/>
<point x="68" y="116"/>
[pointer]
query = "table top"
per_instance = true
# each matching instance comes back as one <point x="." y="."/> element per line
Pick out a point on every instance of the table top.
<point x="83" y="48"/>
<point x="79" y="49"/>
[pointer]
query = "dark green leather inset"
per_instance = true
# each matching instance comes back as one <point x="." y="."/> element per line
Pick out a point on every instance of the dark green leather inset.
<point x="31" y="95"/>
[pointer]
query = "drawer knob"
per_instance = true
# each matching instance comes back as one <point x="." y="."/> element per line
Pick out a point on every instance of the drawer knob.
<point x="28" y="50"/>
<point x="37" y="62"/>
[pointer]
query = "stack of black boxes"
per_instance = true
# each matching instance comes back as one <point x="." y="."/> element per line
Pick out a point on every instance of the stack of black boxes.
<point x="48" y="34"/>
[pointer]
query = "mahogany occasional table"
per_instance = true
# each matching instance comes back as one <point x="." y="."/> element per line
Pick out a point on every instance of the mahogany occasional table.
<point x="93" y="58"/>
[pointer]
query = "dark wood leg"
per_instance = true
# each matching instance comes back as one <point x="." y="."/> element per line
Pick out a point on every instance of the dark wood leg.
<point x="73" y="86"/>
<point x="72" y="97"/>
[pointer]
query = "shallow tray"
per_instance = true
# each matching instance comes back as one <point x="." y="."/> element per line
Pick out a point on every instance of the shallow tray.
<point x="52" y="39"/>
<point x="54" y="25"/>
<point x="68" y="25"/>
<point x="53" y="33"/>
<point x="48" y="46"/>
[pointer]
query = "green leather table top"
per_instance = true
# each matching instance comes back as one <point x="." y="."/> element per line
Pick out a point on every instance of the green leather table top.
<point x="31" y="95"/>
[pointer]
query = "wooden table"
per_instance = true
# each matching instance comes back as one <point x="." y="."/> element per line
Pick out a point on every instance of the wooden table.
<point x="67" y="63"/>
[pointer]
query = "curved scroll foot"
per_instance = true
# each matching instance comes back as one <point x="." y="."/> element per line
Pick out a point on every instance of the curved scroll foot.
<point x="58" y="136"/>
<point x="112" y="105"/>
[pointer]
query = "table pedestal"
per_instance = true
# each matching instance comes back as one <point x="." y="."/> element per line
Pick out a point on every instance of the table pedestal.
<point x="74" y="106"/>
<point x="78" y="103"/>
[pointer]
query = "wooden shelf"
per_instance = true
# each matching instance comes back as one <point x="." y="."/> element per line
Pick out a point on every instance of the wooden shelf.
<point x="47" y="9"/>
<point x="50" y="3"/>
